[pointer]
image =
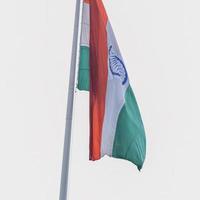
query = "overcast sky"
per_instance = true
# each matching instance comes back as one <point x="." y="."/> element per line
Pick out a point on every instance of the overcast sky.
<point x="159" y="41"/>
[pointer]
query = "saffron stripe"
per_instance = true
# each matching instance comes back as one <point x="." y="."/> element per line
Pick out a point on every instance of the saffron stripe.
<point x="86" y="1"/>
<point x="98" y="75"/>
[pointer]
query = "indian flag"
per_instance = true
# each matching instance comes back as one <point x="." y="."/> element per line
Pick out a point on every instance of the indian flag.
<point x="116" y="127"/>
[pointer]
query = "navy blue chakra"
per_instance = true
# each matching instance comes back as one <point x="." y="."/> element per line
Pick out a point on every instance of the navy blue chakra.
<point x="117" y="66"/>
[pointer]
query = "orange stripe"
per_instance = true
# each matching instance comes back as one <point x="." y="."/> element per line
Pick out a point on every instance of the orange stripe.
<point x="86" y="1"/>
<point x="98" y="74"/>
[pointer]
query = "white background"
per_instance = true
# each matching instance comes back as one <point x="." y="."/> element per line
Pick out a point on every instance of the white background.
<point x="160" y="44"/>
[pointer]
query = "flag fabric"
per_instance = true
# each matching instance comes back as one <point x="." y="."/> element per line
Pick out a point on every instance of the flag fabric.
<point x="116" y="127"/>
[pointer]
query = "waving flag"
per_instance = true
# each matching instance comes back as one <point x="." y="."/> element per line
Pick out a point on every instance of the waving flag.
<point x="116" y="127"/>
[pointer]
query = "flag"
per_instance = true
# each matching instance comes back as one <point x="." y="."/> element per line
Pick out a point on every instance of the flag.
<point x="116" y="127"/>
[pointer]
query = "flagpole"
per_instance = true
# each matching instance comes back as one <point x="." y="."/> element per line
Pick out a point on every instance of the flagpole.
<point x="66" y="151"/>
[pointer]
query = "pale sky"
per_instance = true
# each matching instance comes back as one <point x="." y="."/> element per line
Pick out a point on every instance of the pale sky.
<point x="159" y="41"/>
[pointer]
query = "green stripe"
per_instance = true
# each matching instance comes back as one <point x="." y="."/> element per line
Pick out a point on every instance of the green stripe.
<point x="130" y="141"/>
<point x="83" y="72"/>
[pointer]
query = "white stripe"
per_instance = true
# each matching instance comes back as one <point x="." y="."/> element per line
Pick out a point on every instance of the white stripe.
<point x="85" y="31"/>
<point x="114" y="100"/>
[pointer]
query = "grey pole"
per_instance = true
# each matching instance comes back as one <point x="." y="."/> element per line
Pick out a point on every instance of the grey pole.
<point x="67" y="140"/>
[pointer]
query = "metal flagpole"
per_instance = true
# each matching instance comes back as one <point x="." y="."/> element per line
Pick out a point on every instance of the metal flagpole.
<point x="67" y="140"/>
